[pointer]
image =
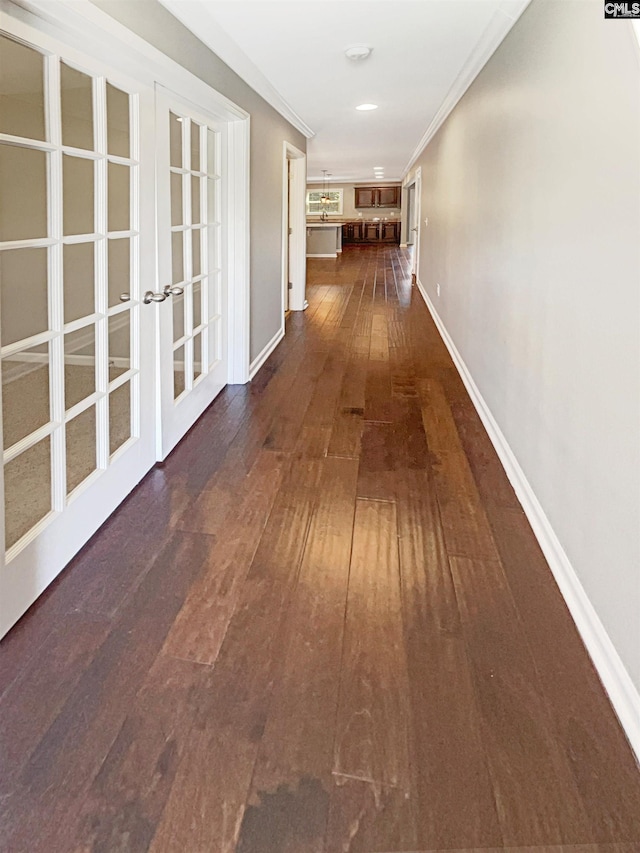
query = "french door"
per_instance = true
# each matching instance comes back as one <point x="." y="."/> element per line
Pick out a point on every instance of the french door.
<point x="123" y="213"/>
<point x="191" y="175"/>
<point x="76" y="339"/>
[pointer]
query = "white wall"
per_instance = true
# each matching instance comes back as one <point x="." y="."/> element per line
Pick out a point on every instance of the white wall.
<point x="532" y="191"/>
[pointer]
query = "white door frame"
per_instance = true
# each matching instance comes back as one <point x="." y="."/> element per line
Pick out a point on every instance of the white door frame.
<point x="415" y="180"/>
<point x="294" y="246"/>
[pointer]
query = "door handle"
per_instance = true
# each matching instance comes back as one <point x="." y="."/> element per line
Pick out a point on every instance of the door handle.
<point x="125" y="297"/>
<point x="173" y="291"/>
<point x="150" y="296"/>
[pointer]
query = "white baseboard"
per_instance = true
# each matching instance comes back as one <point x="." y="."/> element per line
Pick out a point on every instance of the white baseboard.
<point x="404" y="245"/>
<point x="622" y="692"/>
<point x="260" y="359"/>
<point x="334" y="255"/>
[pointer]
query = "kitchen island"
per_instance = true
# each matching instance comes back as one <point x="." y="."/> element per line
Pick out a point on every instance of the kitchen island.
<point x="324" y="239"/>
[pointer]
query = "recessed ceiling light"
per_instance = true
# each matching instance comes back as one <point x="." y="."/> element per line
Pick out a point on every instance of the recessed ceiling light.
<point x="364" y="107"/>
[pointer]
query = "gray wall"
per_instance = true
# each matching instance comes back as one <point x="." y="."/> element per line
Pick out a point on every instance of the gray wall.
<point x="532" y="191"/>
<point x="151" y="21"/>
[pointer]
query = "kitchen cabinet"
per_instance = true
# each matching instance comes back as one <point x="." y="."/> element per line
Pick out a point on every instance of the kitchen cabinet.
<point x="389" y="232"/>
<point x="371" y="232"/>
<point x="352" y="232"/>
<point x="377" y="197"/>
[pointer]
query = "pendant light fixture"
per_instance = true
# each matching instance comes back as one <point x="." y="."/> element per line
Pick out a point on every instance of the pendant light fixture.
<point x="324" y="198"/>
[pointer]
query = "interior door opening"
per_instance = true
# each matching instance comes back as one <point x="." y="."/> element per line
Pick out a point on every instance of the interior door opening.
<point x="414" y="225"/>
<point x="294" y="232"/>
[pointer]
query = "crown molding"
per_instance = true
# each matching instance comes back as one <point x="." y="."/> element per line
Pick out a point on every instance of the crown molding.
<point x="495" y="32"/>
<point x="90" y="29"/>
<point x="197" y="17"/>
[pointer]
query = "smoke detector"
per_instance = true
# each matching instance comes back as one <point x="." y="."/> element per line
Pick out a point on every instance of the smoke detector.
<point x="358" y="52"/>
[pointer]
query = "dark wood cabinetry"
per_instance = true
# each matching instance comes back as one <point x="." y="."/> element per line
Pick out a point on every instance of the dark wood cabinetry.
<point x="389" y="197"/>
<point x="366" y="196"/>
<point x="390" y="232"/>
<point x="352" y="232"/>
<point x="371" y="232"/>
<point x="377" y="196"/>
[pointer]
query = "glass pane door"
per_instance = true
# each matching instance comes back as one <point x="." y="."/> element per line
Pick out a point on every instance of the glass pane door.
<point x="191" y="265"/>
<point x="70" y="347"/>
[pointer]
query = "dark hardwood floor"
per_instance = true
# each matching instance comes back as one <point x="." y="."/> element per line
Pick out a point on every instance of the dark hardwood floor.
<point x="323" y="626"/>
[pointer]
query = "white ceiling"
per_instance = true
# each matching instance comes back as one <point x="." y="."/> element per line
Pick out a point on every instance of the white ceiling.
<point x="425" y="54"/>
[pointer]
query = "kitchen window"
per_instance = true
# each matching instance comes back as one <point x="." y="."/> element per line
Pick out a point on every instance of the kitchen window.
<point x="316" y="206"/>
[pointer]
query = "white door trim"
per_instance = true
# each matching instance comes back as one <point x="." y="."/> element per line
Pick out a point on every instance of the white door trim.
<point x="415" y="181"/>
<point x="296" y="246"/>
<point x="238" y="264"/>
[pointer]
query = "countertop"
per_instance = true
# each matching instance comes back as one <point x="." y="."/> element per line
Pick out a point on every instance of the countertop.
<point x="332" y="222"/>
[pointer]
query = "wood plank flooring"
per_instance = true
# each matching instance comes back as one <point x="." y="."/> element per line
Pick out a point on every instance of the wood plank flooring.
<point x="323" y="626"/>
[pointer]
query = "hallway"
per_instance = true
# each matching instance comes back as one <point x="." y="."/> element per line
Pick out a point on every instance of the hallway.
<point x="324" y="625"/>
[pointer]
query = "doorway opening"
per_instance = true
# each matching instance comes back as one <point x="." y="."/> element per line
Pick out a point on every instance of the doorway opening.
<point x="294" y="234"/>
<point x="412" y="220"/>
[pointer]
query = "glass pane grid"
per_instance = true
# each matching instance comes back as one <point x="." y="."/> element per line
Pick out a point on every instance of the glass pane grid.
<point x="118" y="120"/>
<point x="43" y="338"/>
<point x="22" y="110"/>
<point x="26" y="399"/>
<point x="28" y="491"/>
<point x="81" y="153"/>
<point x="77" y="108"/>
<point x="29" y="219"/>
<point x="80" y="407"/>
<point x="119" y="342"/>
<point x="76" y="113"/>
<point x="17" y="449"/>
<point x="120" y="417"/>
<point x="179" y="372"/>
<point x="80" y="380"/>
<point x="122" y="378"/>
<point x="76" y="239"/>
<point x="118" y="197"/>
<point x="81" y="446"/>
<point x="120" y="161"/>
